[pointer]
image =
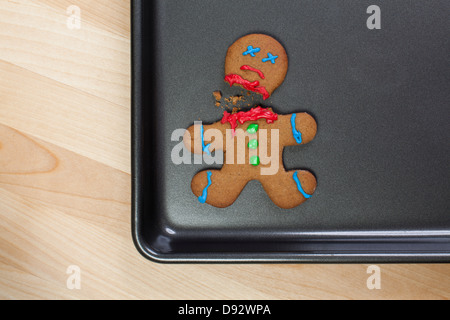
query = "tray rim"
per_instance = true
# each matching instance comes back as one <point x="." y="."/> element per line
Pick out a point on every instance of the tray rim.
<point x="153" y="255"/>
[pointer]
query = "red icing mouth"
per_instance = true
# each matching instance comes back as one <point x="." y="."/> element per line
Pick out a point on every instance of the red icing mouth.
<point x="252" y="115"/>
<point x="252" y="86"/>
<point x="261" y="74"/>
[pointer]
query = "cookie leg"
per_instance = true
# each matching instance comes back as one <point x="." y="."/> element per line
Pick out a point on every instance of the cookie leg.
<point x="217" y="188"/>
<point x="290" y="189"/>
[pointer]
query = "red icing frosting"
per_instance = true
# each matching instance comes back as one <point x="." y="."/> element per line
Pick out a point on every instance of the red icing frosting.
<point x="252" y="115"/>
<point x="252" y="86"/>
<point x="259" y="72"/>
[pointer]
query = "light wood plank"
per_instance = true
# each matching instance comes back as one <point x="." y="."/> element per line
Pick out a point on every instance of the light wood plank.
<point x="92" y="59"/>
<point x="111" y="15"/>
<point x="65" y="116"/>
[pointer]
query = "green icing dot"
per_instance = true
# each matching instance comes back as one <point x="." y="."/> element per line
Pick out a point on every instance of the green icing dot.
<point x="253" y="128"/>
<point x="253" y="144"/>
<point x="255" y="161"/>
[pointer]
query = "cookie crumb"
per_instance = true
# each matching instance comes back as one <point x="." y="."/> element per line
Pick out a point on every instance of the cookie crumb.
<point x="236" y="99"/>
<point x="217" y="95"/>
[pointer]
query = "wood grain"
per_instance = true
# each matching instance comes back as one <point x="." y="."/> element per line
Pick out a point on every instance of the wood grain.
<point x="65" y="188"/>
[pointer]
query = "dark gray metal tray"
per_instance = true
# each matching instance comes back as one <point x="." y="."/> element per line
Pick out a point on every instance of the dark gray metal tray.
<point x="381" y="156"/>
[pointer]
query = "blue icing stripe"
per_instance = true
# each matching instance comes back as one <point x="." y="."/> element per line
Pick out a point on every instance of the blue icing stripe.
<point x="297" y="134"/>
<point x="270" y="57"/>
<point x="251" y="51"/>
<point x="204" y="148"/>
<point x="299" y="186"/>
<point x="204" y="196"/>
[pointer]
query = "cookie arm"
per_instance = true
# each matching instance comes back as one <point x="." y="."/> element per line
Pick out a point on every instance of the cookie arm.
<point x="297" y="129"/>
<point x="201" y="139"/>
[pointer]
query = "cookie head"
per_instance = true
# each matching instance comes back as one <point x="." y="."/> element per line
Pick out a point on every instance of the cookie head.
<point x="256" y="62"/>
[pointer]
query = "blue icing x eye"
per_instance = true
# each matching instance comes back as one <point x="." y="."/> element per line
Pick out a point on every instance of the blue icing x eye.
<point x="271" y="58"/>
<point x="251" y="51"/>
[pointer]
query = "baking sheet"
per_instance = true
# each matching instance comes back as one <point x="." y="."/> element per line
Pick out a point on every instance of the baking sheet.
<point x="381" y="156"/>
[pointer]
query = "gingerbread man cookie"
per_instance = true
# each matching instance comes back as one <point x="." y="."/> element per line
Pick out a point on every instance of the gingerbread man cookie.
<point x="253" y="141"/>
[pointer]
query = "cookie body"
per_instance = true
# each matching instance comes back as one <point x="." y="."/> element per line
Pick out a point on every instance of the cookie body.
<point x="241" y="144"/>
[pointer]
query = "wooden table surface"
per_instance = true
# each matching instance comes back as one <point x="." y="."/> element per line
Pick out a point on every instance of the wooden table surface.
<point x="65" y="188"/>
